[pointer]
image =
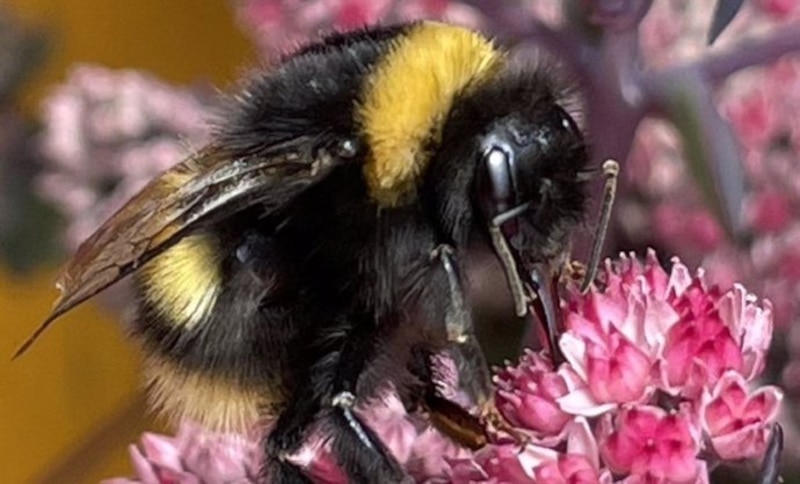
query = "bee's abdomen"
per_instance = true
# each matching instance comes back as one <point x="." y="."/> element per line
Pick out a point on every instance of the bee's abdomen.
<point x="182" y="285"/>
<point x="214" y="330"/>
<point x="214" y="401"/>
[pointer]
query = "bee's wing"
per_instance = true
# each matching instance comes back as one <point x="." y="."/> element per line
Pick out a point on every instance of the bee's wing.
<point x="206" y="187"/>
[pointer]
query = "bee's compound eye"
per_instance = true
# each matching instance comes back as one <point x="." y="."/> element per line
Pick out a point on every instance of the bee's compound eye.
<point x="347" y="148"/>
<point x="501" y="179"/>
<point x="567" y="122"/>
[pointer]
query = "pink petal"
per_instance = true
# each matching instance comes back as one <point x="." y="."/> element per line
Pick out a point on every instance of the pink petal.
<point x="679" y="279"/>
<point x="143" y="468"/>
<point x="581" y="441"/>
<point x="161" y="451"/>
<point x="581" y="402"/>
<point x="574" y="349"/>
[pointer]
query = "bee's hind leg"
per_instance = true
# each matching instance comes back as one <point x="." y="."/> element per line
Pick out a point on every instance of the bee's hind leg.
<point x="325" y="400"/>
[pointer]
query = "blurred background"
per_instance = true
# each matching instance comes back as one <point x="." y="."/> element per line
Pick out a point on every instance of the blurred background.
<point x="98" y="97"/>
<point x="71" y="406"/>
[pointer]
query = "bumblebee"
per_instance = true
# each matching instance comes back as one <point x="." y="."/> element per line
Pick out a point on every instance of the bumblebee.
<point x="313" y="252"/>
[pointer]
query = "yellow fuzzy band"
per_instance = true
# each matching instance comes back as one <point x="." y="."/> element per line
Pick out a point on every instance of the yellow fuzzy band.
<point x="408" y="97"/>
<point x="183" y="283"/>
<point x="215" y="403"/>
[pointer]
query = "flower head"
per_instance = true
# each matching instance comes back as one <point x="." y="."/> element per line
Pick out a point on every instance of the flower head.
<point x="195" y="455"/>
<point x="698" y="350"/>
<point x="647" y="441"/>
<point x="528" y="393"/>
<point x="736" y="419"/>
<point x="106" y="134"/>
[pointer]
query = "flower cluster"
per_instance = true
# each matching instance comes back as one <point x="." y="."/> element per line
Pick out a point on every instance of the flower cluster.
<point x="761" y="106"/>
<point x="278" y="25"/>
<point x="660" y="365"/>
<point x="194" y="455"/>
<point x="659" y="385"/>
<point x="106" y="134"/>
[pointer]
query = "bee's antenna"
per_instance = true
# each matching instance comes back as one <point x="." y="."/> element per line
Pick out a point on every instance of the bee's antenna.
<point x="611" y="174"/>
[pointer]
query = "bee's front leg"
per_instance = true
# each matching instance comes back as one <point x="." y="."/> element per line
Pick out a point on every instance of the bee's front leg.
<point x="473" y="370"/>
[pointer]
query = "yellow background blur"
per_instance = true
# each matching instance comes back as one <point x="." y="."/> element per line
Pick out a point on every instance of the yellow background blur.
<point x="71" y="406"/>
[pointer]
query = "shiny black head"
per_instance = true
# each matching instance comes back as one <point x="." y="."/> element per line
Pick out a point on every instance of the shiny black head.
<point x="526" y="180"/>
<point x="511" y="157"/>
<point x="510" y="167"/>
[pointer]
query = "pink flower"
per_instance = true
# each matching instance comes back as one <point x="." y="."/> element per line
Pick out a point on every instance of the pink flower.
<point x="617" y="370"/>
<point x="696" y="228"/>
<point x="279" y="24"/>
<point x="430" y="453"/>
<point x="106" y="134"/>
<point x="410" y="438"/>
<point x="527" y="395"/>
<point x="492" y="464"/>
<point x="641" y="332"/>
<point x="779" y="9"/>
<point x="751" y="326"/>
<point x="769" y="212"/>
<point x="195" y="456"/>
<point x="738" y="421"/>
<point x="717" y="333"/>
<point x="316" y="461"/>
<point x="700" y="347"/>
<point x="648" y="442"/>
<point x="579" y="464"/>
<point x="398" y="433"/>
<point x="567" y="468"/>
<point x="614" y="336"/>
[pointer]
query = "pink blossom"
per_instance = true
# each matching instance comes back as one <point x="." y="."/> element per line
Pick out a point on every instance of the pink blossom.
<point x="700" y="343"/>
<point x="397" y="432"/>
<point x="106" y="134"/>
<point x="579" y="464"/>
<point x="505" y="463"/>
<point x="751" y="325"/>
<point x="410" y="438"/>
<point x="755" y="117"/>
<point x="567" y="468"/>
<point x="527" y="395"/>
<point x="279" y="25"/>
<point x="492" y="464"/>
<point x="614" y="336"/>
<point x="647" y="441"/>
<point x="316" y="461"/>
<point x="195" y="456"/>
<point x="700" y="347"/>
<point x="697" y="228"/>
<point x="779" y="9"/>
<point x="717" y="333"/>
<point x="737" y="420"/>
<point x="761" y="105"/>
<point x="617" y="370"/>
<point x="769" y="211"/>
<point x="430" y="452"/>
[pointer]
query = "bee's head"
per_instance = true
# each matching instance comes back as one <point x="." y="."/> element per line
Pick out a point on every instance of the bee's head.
<point x="526" y="181"/>
<point x="510" y="165"/>
<point x="511" y="157"/>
